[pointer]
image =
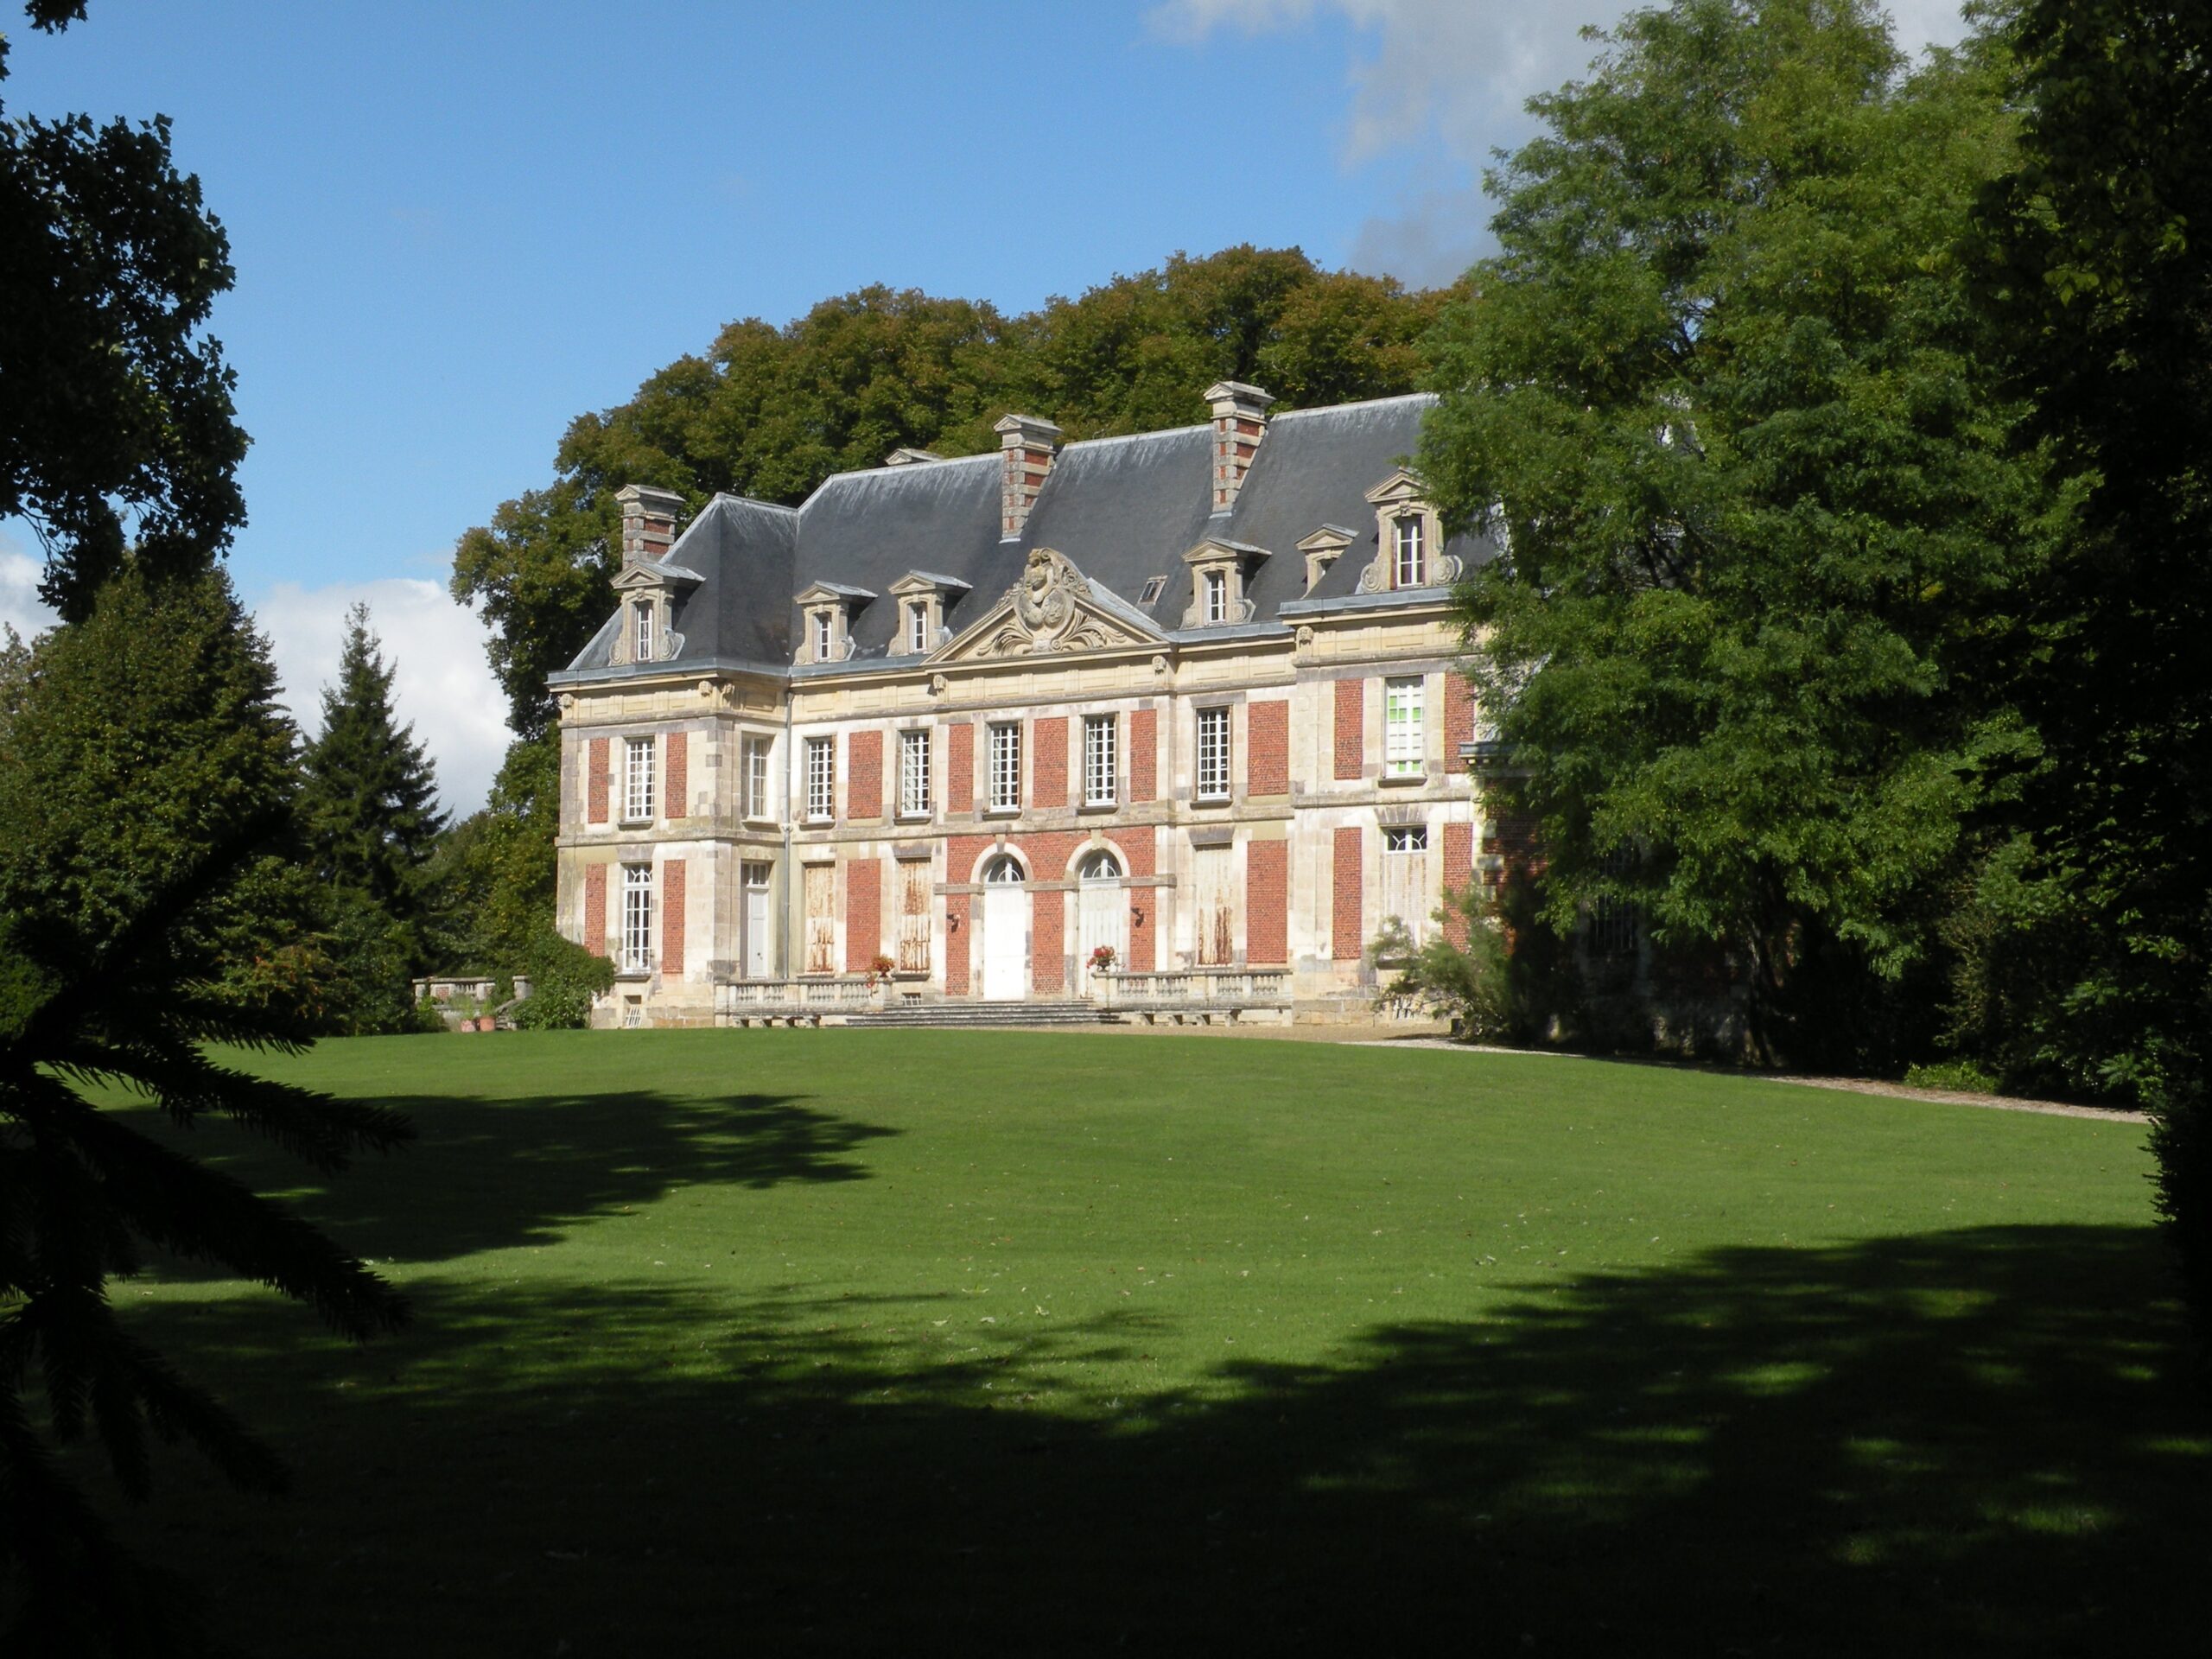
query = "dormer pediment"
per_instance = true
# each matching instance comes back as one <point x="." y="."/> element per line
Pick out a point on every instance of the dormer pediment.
<point x="1051" y="608"/>
<point x="1330" y="539"/>
<point x="1217" y="549"/>
<point x="928" y="582"/>
<point x="646" y="575"/>
<point x="1400" y="486"/>
<point x="834" y="593"/>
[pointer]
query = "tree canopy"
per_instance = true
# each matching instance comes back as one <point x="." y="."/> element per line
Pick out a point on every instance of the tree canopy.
<point x="117" y="427"/>
<point x="770" y="412"/>
<point x="2096" y="259"/>
<point x="1723" y="398"/>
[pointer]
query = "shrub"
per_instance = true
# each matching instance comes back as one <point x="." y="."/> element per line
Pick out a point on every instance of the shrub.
<point x="1470" y="984"/>
<point x="564" y="977"/>
<point x="1961" y="1077"/>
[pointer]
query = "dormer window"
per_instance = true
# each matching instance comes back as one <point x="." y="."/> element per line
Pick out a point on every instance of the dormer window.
<point x="923" y="598"/>
<point x="641" y="625"/>
<point x="828" y="609"/>
<point x="1409" y="539"/>
<point x="1218" y="570"/>
<point x="1406" y="550"/>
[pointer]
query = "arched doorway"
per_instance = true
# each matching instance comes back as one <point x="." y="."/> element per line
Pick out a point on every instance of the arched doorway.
<point x="1006" y="930"/>
<point x="1102" y="914"/>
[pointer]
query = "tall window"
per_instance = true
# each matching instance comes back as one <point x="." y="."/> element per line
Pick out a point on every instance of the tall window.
<point x="917" y="627"/>
<point x="821" y="778"/>
<point x="637" y="917"/>
<point x="1213" y="754"/>
<point x="914" y="774"/>
<point x="641" y="623"/>
<point x="1006" y="767"/>
<point x="1098" y="759"/>
<point x="1405" y="539"/>
<point x="756" y="777"/>
<point x="1217" y="596"/>
<point x="1401" y="729"/>
<point x="637" y="780"/>
<point x="820" y="636"/>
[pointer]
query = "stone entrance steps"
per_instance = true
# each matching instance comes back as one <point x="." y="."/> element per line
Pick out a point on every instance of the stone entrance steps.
<point x="971" y="1016"/>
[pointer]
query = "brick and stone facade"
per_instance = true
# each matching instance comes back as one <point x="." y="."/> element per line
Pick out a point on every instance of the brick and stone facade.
<point x="1070" y="759"/>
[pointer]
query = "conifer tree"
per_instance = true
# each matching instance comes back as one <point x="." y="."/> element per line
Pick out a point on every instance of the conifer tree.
<point x="369" y="818"/>
<point x="369" y="809"/>
<point x="148" y="913"/>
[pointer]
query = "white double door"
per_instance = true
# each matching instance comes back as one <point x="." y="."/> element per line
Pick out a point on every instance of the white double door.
<point x="1006" y="942"/>
<point x="1103" y="919"/>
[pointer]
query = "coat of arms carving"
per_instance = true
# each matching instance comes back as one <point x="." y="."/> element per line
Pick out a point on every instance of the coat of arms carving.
<point x="1045" y="616"/>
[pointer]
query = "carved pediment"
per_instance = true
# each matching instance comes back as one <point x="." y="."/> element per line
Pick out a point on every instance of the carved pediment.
<point x="1052" y="609"/>
<point x="644" y="575"/>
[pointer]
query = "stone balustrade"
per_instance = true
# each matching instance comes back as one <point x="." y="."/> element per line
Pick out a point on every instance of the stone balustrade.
<point x="1195" y="988"/>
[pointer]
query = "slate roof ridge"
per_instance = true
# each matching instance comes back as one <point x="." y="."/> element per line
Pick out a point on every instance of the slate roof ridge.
<point x="728" y="498"/>
<point x="1427" y="399"/>
<point x="925" y="469"/>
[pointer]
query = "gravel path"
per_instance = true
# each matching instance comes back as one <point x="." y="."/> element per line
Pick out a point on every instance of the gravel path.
<point x="1852" y="1085"/>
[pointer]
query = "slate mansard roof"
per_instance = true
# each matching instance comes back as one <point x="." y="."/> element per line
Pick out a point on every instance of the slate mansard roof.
<point x="1123" y="510"/>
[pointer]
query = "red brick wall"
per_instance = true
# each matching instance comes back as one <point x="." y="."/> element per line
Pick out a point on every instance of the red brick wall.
<point x="1459" y="860"/>
<point x="1048" y="861"/>
<point x="956" y="943"/>
<point x="1458" y="720"/>
<point x="1047" y="940"/>
<point x="1514" y="840"/>
<point x="1144" y="754"/>
<point x="960" y="770"/>
<point x="679" y="775"/>
<point x="864" y="778"/>
<point x="1352" y="726"/>
<point x="1266" y="729"/>
<point x="595" y="787"/>
<point x="863" y="911"/>
<point x="960" y="853"/>
<point x="1346" y="944"/>
<point x="1048" y="855"/>
<point x="1267" y="900"/>
<point x="595" y="909"/>
<point x="671" y="917"/>
<point x="1144" y="902"/>
<point x="1049" y="763"/>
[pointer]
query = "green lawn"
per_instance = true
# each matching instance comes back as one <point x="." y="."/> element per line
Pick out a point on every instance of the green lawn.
<point x="1033" y="1343"/>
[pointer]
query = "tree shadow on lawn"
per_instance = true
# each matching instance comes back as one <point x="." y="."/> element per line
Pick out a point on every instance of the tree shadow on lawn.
<point x="1965" y="1440"/>
<point x="492" y="1174"/>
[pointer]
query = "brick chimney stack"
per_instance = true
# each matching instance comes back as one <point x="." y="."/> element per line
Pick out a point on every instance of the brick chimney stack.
<point x="648" y="521"/>
<point x="1240" y="421"/>
<point x="1027" y="447"/>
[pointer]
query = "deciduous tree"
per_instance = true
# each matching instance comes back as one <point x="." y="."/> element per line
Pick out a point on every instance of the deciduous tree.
<point x="2096" y="261"/>
<point x="116" y="421"/>
<point x="1723" y="399"/>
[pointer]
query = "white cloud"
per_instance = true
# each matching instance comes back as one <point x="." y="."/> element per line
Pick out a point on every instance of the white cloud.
<point x="441" y="681"/>
<point x="1449" y="78"/>
<point x="20" y="607"/>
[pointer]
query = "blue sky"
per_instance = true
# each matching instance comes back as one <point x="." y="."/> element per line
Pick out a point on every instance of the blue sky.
<point x="456" y="226"/>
